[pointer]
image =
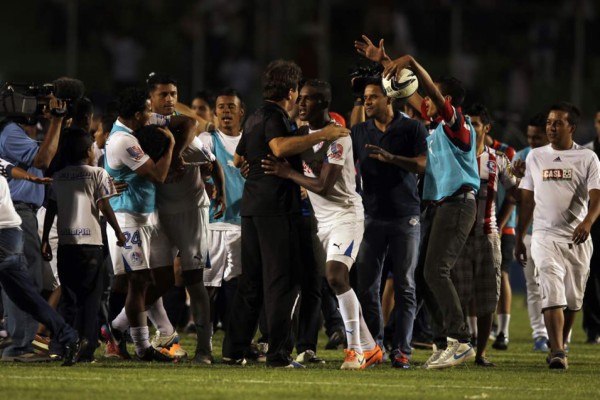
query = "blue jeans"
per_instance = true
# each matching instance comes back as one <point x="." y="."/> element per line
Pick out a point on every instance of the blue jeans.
<point x="18" y="287"/>
<point x="21" y="326"/>
<point x="399" y="239"/>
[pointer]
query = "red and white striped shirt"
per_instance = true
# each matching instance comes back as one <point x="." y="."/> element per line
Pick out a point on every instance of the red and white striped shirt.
<point x="493" y="168"/>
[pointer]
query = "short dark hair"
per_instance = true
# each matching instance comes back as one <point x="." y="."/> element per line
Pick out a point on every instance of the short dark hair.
<point x="373" y="80"/>
<point x="573" y="113"/>
<point x="538" y="121"/>
<point x="481" y="111"/>
<point x="229" y="92"/>
<point x="108" y="122"/>
<point x="279" y="77"/>
<point x="155" y="79"/>
<point x="323" y="89"/>
<point x="451" y="86"/>
<point x="207" y="96"/>
<point x="132" y="100"/>
<point x="152" y="140"/>
<point x="73" y="147"/>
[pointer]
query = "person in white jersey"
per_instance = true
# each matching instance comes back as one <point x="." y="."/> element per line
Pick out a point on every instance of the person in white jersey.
<point x="561" y="189"/>
<point x="330" y="181"/>
<point x="225" y="233"/>
<point x="135" y="210"/>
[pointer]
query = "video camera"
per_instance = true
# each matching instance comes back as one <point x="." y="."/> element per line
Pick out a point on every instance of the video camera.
<point x="360" y="73"/>
<point x="27" y="100"/>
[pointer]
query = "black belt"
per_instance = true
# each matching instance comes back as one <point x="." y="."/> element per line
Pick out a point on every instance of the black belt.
<point x="33" y="207"/>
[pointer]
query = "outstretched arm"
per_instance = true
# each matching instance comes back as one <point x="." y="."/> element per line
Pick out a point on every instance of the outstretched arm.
<point x="321" y="185"/>
<point x="411" y="164"/>
<point x="291" y="145"/>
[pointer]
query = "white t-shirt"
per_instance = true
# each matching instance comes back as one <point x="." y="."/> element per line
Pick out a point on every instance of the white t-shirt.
<point x="342" y="203"/>
<point x="8" y="215"/>
<point x="186" y="192"/>
<point x="561" y="181"/>
<point x="77" y="190"/>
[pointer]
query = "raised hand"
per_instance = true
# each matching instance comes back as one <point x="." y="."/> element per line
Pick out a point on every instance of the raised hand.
<point x="367" y="49"/>
<point x="393" y="68"/>
<point x="379" y="154"/>
<point x="518" y="168"/>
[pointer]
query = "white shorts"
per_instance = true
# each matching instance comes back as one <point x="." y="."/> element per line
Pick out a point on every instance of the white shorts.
<point x="341" y="240"/>
<point x="225" y="256"/>
<point x="136" y="254"/>
<point x="563" y="270"/>
<point x="186" y="234"/>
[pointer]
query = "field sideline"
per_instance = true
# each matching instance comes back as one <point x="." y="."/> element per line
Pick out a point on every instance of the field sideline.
<point x="520" y="374"/>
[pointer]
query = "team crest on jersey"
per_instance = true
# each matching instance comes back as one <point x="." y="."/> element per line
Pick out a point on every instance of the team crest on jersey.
<point x="336" y="151"/>
<point x="136" y="152"/>
<point x="491" y="164"/>
<point x="557" y="174"/>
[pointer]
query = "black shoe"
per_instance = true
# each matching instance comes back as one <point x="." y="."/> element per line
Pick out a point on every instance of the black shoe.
<point x="201" y="358"/>
<point x="72" y="350"/>
<point x="336" y="340"/>
<point x="501" y="342"/>
<point x="232" y="361"/>
<point x="483" y="362"/>
<point x="558" y="360"/>
<point x="151" y="354"/>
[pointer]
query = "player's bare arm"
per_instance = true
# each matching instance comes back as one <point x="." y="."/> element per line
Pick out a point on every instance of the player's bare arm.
<point x="582" y="232"/>
<point x="321" y="185"/>
<point x="289" y="146"/>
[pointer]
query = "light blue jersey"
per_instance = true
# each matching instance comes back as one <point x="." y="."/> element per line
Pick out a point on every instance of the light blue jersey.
<point x="234" y="183"/>
<point x="448" y="167"/>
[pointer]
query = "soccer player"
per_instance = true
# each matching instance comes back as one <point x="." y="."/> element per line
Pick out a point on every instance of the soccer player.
<point x="79" y="192"/>
<point x="536" y="137"/>
<point x="270" y="211"/>
<point x="451" y="180"/>
<point x="225" y="232"/>
<point x="183" y="205"/>
<point x="329" y="177"/>
<point x="476" y="274"/>
<point x="561" y="190"/>
<point x="135" y="210"/>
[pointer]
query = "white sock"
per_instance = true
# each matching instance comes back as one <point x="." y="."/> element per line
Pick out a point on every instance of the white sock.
<point x="366" y="339"/>
<point x="160" y="319"/>
<point x="350" y="311"/>
<point x="472" y="322"/>
<point x="121" y="322"/>
<point x="503" y="322"/>
<point x="141" y="338"/>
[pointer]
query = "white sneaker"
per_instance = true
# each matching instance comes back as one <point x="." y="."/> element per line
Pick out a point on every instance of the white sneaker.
<point x="434" y="357"/>
<point x="168" y="345"/>
<point x="353" y="360"/>
<point x="456" y="353"/>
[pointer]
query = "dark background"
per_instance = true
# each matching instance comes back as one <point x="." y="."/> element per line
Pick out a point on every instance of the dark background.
<point x="516" y="56"/>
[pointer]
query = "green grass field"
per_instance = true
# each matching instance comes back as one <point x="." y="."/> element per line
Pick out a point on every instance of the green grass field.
<point x="520" y="374"/>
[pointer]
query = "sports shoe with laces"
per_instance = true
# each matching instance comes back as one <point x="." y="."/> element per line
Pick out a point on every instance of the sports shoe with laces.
<point x="483" y="362"/>
<point x="114" y="348"/>
<point x="72" y="351"/>
<point x="353" y="360"/>
<point x="309" y="356"/>
<point x="540" y="344"/>
<point x="168" y="345"/>
<point x="372" y="357"/>
<point x="336" y="340"/>
<point x="433" y="357"/>
<point x="456" y="353"/>
<point x="40" y="344"/>
<point x="501" y="342"/>
<point x="151" y="354"/>
<point x="294" y="364"/>
<point x="399" y="359"/>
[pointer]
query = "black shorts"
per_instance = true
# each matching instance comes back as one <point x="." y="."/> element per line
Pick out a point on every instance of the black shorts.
<point x="507" y="245"/>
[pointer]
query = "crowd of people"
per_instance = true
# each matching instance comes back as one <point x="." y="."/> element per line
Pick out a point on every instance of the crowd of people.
<point x="394" y="231"/>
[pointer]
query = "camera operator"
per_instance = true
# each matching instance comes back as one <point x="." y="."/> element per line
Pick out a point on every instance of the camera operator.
<point x="22" y="150"/>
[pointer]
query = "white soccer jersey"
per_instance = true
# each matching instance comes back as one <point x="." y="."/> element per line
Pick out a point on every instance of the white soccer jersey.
<point x="8" y="216"/>
<point x="342" y="203"/>
<point x="229" y="142"/>
<point x="561" y="181"/>
<point x="188" y="191"/>
<point x="123" y="149"/>
<point x="77" y="189"/>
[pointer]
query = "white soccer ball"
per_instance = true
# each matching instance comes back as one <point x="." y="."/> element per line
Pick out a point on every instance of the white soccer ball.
<point x="402" y="87"/>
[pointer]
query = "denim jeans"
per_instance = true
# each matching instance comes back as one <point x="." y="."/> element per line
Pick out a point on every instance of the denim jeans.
<point x="397" y="238"/>
<point x="21" y="326"/>
<point x="18" y="287"/>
